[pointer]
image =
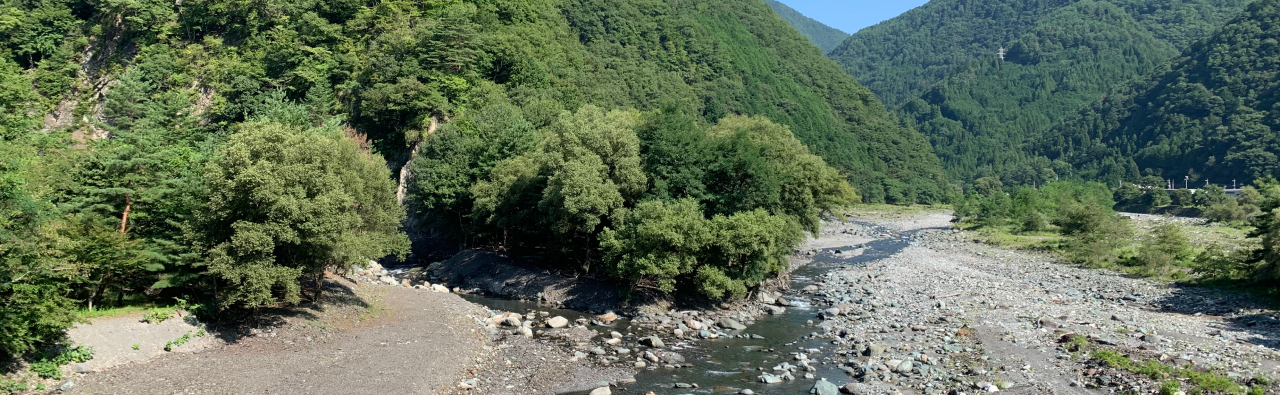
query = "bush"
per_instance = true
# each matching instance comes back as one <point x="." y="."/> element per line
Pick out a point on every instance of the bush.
<point x="1034" y="221"/>
<point x="1164" y="252"/>
<point x="1229" y="212"/>
<point x="1094" y="233"/>
<point x="1184" y="198"/>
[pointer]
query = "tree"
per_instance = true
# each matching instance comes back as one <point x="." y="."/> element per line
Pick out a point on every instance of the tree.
<point x="1184" y="198"/>
<point x="1094" y="233"/>
<point x="1156" y="198"/>
<point x="1211" y="195"/>
<point x="287" y="201"/>
<point x="34" y="308"/>
<point x="1164" y="251"/>
<point x="1129" y="194"/>
<point x="987" y="186"/>
<point x="461" y="153"/>
<point x="103" y="256"/>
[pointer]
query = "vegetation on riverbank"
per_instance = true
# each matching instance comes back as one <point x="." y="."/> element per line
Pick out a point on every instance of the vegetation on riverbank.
<point x="228" y="154"/>
<point x="1077" y="221"/>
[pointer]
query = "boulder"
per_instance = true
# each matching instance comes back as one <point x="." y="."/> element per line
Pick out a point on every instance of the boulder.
<point x="607" y="318"/>
<point x="652" y="341"/>
<point x="557" y="322"/>
<point x="728" y="323"/>
<point x="511" y="321"/>
<point x="601" y="391"/>
<point x="824" y="387"/>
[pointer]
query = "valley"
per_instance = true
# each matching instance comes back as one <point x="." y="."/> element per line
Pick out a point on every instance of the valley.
<point x="889" y="302"/>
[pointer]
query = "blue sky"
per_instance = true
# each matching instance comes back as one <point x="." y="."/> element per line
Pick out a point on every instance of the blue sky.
<point x="852" y="15"/>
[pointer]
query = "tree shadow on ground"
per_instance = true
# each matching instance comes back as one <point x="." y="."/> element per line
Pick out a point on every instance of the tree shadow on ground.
<point x="1240" y="312"/>
<point x="235" y="325"/>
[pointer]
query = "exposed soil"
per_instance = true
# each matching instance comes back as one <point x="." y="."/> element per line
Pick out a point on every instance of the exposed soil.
<point x="394" y="341"/>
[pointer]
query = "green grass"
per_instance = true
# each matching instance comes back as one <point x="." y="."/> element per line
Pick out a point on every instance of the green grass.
<point x="140" y="309"/>
<point x="1155" y="370"/>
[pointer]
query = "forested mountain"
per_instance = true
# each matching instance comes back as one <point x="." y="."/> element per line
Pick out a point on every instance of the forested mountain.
<point x="938" y="65"/>
<point x="152" y="150"/>
<point x="1209" y="114"/>
<point x="825" y="37"/>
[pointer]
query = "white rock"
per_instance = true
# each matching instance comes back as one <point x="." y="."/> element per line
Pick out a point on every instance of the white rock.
<point x="557" y="322"/>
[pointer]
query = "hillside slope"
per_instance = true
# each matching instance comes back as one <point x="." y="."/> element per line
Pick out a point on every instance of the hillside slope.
<point x="825" y="37"/>
<point x="389" y="73"/>
<point x="1210" y="114"/>
<point x="977" y="110"/>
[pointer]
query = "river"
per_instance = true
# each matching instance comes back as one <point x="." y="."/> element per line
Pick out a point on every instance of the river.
<point x="736" y="363"/>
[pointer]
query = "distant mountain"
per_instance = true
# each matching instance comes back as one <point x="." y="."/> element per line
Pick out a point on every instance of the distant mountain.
<point x="825" y="37"/>
<point x="938" y="66"/>
<point x="1210" y="113"/>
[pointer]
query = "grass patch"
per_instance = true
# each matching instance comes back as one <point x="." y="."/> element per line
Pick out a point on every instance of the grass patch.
<point x="1199" y="382"/>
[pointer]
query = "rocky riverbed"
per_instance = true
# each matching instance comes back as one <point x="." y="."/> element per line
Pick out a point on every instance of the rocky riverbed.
<point x="884" y="303"/>
<point x="942" y="314"/>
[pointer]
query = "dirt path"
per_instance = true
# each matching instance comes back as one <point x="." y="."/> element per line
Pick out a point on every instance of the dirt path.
<point x="417" y="342"/>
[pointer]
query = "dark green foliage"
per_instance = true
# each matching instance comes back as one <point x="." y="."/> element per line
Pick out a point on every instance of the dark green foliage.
<point x="34" y="308"/>
<point x="903" y="57"/>
<point x="287" y="201"/>
<point x="141" y="186"/>
<point x="937" y="64"/>
<point x="823" y="36"/>
<point x="1165" y="253"/>
<point x="1204" y="115"/>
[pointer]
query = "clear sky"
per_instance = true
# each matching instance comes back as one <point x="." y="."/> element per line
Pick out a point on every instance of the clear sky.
<point x="852" y="15"/>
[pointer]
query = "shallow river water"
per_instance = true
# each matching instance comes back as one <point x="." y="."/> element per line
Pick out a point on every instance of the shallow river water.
<point x="738" y="362"/>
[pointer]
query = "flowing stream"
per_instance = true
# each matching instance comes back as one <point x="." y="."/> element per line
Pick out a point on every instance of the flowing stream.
<point x="737" y="362"/>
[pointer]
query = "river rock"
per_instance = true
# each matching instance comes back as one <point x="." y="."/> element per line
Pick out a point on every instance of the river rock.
<point x="729" y="323"/>
<point x="904" y="367"/>
<point x="511" y="321"/>
<point x="601" y="391"/>
<point x="607" y="318"/>
<point x="650" y="356"/>
<point x="873" y="350"/>
<point x="831" y="313"/>
<point x="694" y="324"/>
<point x="388" y="280"/>
<point x="767" y="297"/>
<point x="824" y="387"/>
<point x="775" y="310"/>
<point x="557" y="322"/>
<point x="526" y="332"/>
<point x="770" y="379"/>
<point x="652" y="341"/>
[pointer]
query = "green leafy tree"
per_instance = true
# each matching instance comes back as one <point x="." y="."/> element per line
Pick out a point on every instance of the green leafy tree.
<point x="1094" y="233"/>
<point x="460" y="154"/>
<point x="1164" y="252"/>
<point x="286" y="202"/>
<point x="1184" y="198"/>
<point x="34" y="308"/>
<point x="1211" y="195"/>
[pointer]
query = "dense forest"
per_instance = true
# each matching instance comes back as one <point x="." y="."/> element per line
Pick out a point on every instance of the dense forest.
<point x="825" y="37"/>
<point x="1207" y="116"/>
<point x="938" y="65"/>
<point x="225" y="153"/>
